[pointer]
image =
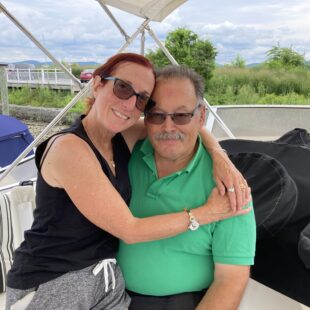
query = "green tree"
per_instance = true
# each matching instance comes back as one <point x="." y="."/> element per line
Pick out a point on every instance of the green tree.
<point x="238" y="62"/>
<point x="285" y="57"/>
<point x="188" y="49"/>
<point x="76" y="69"/>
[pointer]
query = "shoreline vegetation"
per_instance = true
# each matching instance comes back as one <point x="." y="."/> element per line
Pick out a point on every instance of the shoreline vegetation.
<point x="283" y="78"/>
<point x="228" y="86"/>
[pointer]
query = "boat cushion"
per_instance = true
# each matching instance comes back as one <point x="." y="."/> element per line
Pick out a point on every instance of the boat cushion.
<point x="295" y="158"/>
<point x="297" y="136"/>
<point x="274" y="192"/>
<point x="16" y="215"/>
<point x="6" y="249"/>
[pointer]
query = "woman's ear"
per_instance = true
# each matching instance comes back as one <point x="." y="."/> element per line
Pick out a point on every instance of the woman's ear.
<point x="96" y="84"/>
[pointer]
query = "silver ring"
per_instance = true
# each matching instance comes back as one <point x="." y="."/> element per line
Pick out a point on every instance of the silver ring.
<point x="231" y="189"/>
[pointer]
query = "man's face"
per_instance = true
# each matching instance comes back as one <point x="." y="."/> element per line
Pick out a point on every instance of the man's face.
<point x="171" y="141"/>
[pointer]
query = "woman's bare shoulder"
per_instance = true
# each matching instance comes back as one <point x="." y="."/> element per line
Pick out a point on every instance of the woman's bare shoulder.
<point x="66" y="154"/>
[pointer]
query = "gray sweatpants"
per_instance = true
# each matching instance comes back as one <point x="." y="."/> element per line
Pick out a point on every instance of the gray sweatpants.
<point x="76" y="290"/>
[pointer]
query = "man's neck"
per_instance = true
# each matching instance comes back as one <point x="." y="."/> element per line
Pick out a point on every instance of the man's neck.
<point x="167" y="166"/>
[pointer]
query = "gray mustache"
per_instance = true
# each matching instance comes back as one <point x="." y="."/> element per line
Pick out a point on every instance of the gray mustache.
<point x="169" y="136"/>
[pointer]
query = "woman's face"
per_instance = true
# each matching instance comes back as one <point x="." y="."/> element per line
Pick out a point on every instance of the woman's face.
<point x="119" y="114"/>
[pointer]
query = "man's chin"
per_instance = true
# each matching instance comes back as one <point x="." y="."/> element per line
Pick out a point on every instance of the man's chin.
<point x="169" y="153"/>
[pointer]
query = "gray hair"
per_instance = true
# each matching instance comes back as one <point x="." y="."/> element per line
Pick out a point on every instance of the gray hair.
<point x="182" y="72"/>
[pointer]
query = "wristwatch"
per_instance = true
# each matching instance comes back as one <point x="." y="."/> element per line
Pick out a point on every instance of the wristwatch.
<point x="193" y="223"/>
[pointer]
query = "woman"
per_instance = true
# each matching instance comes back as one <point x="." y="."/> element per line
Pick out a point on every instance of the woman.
<point x="67" y="259"/>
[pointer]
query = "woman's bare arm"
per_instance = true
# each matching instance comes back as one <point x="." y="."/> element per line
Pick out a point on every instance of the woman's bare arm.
<point x="226" y="175"/>
<point x="72" y="165"/>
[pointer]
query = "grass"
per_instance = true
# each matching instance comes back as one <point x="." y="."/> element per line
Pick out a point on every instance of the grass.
<point x="229" y="85"/>
<point x="43" y="97"/>
<point x="259" y="86"/>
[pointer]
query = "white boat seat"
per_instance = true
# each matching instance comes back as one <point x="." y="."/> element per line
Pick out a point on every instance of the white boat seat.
<point x="16" y="216"/>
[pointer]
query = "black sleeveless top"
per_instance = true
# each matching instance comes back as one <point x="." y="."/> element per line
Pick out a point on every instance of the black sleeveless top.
<point x="61" y="239"/>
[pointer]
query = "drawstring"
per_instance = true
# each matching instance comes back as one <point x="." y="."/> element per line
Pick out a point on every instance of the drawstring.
<point x="106" y="264"/>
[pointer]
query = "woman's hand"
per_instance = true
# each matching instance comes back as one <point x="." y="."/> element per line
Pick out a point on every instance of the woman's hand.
<point x="218" y="207"/>
<point x="228" y="179"/>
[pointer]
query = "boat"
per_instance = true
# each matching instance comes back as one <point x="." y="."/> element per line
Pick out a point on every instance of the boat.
<point x="250" y="123"/>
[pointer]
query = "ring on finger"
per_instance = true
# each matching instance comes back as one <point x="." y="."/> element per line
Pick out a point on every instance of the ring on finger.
<point x="231" y="189"/>
<point x="242" y="186"/>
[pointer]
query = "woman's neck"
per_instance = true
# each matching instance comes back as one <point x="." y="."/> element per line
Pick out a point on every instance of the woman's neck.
<point x="100" y="136"/>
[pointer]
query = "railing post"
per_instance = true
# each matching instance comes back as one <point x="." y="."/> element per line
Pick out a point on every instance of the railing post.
<point x="42" y="76"/>
<point x="17" y="75"/>
<point x="72" y="86"/>
<point x="56" y="80"/>
<point x="29" y="74"/>
<point x="4" y="90"/>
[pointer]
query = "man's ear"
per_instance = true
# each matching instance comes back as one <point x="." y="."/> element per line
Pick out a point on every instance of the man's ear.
<point x="96" y="84"/>
<point x="202" y="117"/>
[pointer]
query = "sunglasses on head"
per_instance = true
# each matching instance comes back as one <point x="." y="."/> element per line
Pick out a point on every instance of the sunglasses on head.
<point x="124" y="91"/>
<point x="158" y="118"/>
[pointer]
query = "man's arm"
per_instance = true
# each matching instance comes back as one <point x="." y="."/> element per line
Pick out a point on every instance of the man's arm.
<point x="227" y="289"/>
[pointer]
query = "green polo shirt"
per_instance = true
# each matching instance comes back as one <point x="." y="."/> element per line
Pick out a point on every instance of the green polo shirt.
<point x="183" y="263"/>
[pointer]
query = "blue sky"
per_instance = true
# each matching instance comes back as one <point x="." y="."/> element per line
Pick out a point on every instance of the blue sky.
<point x="79" y="30"/>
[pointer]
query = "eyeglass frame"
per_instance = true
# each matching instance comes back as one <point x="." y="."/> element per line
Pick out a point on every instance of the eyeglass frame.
<point x="138" y="95"/>
<point x="172" y="115"/>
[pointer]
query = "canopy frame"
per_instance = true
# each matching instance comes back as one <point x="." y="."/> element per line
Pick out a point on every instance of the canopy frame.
<point x="84" y="90"/>
<point x="141" y="30"/>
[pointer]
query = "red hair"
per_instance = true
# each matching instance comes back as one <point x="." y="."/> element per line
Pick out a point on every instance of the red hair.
<point x="108" y="67"/>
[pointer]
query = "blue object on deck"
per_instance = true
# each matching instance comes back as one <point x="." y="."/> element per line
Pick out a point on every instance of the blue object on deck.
<point x="14" y="138"/>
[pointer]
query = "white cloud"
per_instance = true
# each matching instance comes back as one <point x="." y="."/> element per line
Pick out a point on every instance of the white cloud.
<point x="80" y="30"/>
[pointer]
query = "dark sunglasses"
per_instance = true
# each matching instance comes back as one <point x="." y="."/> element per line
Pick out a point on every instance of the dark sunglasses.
<point x="124" y="91"/>
<point x="158" y="118"/>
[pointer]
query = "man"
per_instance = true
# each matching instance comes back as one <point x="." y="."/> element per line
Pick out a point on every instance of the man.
<point x="208" y="266"/>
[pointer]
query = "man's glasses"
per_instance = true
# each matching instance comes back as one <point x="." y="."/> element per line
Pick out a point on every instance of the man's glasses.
<point x="124" y="91"/>
<point x="158" y="118"/>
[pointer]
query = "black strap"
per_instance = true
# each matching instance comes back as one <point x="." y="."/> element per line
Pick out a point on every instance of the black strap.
<point x="47" y="150"/>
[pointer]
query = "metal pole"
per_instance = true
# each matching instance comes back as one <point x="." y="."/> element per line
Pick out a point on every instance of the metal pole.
<point x="80" y="95"/>
<point x="4" y="90"/>
<point x="39" y="45"/>
<point x="142" y="49"/>
<point x="129" y="41"/>
<point x="161" y="45"/>
<point x="109" y="13"/>
<point x="173" y="61"/>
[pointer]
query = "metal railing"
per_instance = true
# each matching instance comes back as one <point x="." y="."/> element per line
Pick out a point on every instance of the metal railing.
<point x="54" y="78"/>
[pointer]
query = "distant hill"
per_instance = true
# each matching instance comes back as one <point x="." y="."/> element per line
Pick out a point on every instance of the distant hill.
<point x="29" y="62"/>
<point x="255" y="64"/>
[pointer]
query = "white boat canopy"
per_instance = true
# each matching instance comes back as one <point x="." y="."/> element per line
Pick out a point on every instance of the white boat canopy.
<point x="155" y="10"/>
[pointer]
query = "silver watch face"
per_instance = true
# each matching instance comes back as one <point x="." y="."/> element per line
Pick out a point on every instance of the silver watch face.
<point x="194" y="225"/>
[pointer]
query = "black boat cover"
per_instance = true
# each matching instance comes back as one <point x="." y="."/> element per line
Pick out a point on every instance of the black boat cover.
<point x="279" y="175"/>
<point x="268" y="178"/>
<point x="304" y="246"/>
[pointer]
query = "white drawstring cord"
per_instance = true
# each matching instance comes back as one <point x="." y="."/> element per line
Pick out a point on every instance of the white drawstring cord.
<point x="106" y="264"/>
